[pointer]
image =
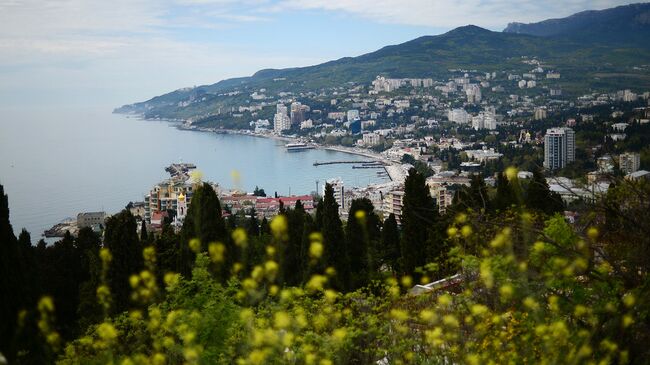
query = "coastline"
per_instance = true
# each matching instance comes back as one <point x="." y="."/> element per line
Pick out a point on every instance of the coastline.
<point x="389" y="166"/>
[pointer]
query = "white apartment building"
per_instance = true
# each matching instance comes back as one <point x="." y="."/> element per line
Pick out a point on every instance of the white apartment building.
<point x="559" y="148"/>
<point x="370" y="139"/>
<point x="281" y="120"/>
<point x="459" y="116"/>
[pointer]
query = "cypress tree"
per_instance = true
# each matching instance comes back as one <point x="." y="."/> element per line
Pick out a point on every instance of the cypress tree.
<point x="389" y="251"/>
<point x="506" y="196"/>
<point x="167" y="251"/>
<point x="361" y="239"/>
<point x="122" y="240"/>
<point x="333" y="240"/>
<point x="204" y="221"/>
<point x="540" y="197"/>
<point x="88" y="310"/>
<point x="292" y="260"/>
<point x="307" y="268"/>
<point x="253" y="226"/>
<point x="143" y="232"/>
<point x="265" y="229"/>
<point x="418" y="214"/>
<point x="16" y="291"/>
<point x="318" y="221"/>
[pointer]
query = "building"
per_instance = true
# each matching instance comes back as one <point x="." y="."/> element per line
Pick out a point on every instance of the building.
<point x="540" y="113"/>
<point x="352" y="114"/>
<point x="484" y="120"/>
<point x="339" y="193"/>
<point x="281" y="121"/>
<point x="297" y="113"/>
<point x="371" y="139"/>
<point x="307" y="124"/>
<point x="483" y="155"/>
<point x="638" y="175"/>
<point x="629" y="162"/>
<point x="473" y="94"/>
<point x="336" y="115"/>
<point x="181" y="209"/>
<point x="559" y="148"/>
<point x="165" y="195"/>
<point x="459" y="116"/>
<point x="91" y="219"/>
<point x="392" y="204"/>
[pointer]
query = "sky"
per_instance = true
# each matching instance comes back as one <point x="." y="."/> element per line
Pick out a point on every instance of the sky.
<point x="69" y="53"/>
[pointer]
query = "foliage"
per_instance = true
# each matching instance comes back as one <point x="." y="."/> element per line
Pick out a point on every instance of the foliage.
<point x="528" y="288"/>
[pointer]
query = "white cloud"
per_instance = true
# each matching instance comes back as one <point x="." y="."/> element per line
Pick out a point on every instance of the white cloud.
<point x="139" y="48"/>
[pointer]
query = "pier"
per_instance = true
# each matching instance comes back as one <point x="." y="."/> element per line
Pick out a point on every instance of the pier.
<point x="348" y="162"/>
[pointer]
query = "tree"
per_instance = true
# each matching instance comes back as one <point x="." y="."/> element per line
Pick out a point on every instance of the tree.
<point x="122" y="241"/>
<point x="418" y="214"/>
<point x="253" y="226"/>
<point x="389" y="249"/>
<point x="143" y="232"/>
<point x="362" y="235"/>
<point x="292" y="259"/>
<point x="167" y="251"/>
<point x="264" y="227"/>
<point x="540" y="197"/>
<point x="87" y="244"/>
<point x="506" y="195"/>
<point x="13" y="285"/>
<point x="204" y="221"/>
<point x="259" y="192"/>
<point x="333" y="239"/>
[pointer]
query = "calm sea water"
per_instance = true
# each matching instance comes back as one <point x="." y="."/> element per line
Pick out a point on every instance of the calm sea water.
<point x="56" y="163"/>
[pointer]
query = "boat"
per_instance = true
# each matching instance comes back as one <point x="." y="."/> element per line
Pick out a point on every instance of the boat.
<point x="299" y="146"/>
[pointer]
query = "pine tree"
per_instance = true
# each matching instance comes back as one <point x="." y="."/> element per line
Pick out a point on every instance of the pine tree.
<point x="389" y="251"/>
<point x="333" y="240"/>
<point x="418" y="215"/>
<point x="122" y="240"/>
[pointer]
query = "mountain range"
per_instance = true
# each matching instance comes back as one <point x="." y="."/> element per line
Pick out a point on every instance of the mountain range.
<point x="598" y="50"/>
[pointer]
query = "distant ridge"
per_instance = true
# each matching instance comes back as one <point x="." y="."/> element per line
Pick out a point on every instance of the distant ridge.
<point x="584" y="44"/>
<point x="622" y="25"/>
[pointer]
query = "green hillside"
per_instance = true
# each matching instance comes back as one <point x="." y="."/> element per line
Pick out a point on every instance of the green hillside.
<point x="467" y="47"/>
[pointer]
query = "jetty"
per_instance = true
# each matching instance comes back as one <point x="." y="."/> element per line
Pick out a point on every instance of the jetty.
<point x="372" y="162"/>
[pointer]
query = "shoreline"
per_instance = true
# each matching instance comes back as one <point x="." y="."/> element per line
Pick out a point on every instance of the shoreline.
<point x="389" y="166"/>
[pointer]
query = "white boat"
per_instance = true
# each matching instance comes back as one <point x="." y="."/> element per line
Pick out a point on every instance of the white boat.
<point x="297" y="146"/>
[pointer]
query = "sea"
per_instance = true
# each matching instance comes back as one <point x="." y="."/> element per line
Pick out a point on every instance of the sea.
<point x="55" y="163"/>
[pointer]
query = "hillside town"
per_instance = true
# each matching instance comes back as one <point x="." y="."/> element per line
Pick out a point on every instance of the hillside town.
<point x="449" y="130"/>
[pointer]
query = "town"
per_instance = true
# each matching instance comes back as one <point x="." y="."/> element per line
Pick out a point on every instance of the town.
<point x="474" y="123"/>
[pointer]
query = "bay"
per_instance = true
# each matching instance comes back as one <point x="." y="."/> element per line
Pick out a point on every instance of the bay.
<point x="57" y="163"/>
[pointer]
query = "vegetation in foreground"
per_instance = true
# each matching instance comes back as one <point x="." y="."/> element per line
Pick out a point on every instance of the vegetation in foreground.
<point x="531" y="288"/>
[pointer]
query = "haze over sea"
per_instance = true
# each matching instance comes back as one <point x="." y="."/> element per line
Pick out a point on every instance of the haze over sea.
<point x="55" y="163"/>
